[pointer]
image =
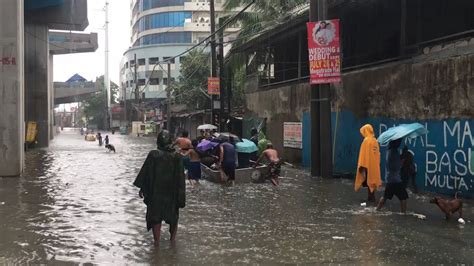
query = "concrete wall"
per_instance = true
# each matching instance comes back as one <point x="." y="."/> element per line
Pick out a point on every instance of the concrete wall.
<point x="37" y="98"/>
<point x="285" y="104"/>
<point x="11" y="88"/>
<point x="436" y="85"/>
<point x="435" y="88"/>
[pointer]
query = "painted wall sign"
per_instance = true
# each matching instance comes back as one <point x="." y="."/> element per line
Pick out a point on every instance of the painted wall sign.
<point x="444" y="157"/>
<point x="293" y="135"/>
<point x="324" y="51"/>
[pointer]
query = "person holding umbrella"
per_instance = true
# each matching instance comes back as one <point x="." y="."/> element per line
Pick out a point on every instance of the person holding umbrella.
<point x="394" y="185"/>
<point x="368" y="167"/>
<point x="394" y="164"/>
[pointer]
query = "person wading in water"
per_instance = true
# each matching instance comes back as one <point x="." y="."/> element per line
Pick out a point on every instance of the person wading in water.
<point x="162" y="185"/>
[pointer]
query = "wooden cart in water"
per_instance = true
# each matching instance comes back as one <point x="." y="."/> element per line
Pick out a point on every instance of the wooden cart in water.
<point x="242" y="175"/>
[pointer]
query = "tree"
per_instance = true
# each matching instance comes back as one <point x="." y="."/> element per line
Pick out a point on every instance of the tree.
<point x="263" y="15"/>
<point x="95" y="107"/>
<point x="191" y="89"/>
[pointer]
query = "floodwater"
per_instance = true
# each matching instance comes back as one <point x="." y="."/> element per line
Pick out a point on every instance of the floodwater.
<point x="76" y="204"/>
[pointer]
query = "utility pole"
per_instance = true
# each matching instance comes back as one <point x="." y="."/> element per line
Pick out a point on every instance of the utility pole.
<point x="213" y="53"/>
<point x="321" y="135"/>
<point x="222" y="76"/>
<point x="168" y="95"/>
<point x="136" y="87"/>
<point x="106" y="74"/>
<point x="314" y="109"/>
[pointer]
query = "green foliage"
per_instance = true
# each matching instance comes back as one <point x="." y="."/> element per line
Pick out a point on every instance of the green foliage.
<point x="238" y="97"/>
<point x="191" y="89"/>
<point x="95" y="107"/>
<point x="262" y="15"/>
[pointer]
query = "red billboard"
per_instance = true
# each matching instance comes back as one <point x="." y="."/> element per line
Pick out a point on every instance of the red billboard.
<point x="324" y="52"/>
<point x="213" y="86"/>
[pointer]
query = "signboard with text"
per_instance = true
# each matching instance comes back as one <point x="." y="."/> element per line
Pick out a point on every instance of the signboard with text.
<point x="293" y="135"/>
<point x="324" y="52"/>
<point x="213" y="86"/>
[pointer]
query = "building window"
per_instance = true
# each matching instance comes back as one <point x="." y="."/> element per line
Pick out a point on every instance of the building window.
<point x="132" y="63"/>
<point x="141" y="61"/>
<point x="168" y="59"/>
<point x="126" y="65"/>
<point x="153" y="60"/>
<point x="149" y="4"/>
<point x="141" y="82"/>
<point x="155" y="81"/>
<point x="161" y="20"/>
<point x="166" y="37"/>
<point x="165" y="81"/>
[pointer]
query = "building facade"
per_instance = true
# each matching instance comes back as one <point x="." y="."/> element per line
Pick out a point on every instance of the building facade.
<point x="162" y="29"/>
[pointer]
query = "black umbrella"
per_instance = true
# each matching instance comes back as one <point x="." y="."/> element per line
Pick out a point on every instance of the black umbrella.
<point x="226" y="136"/>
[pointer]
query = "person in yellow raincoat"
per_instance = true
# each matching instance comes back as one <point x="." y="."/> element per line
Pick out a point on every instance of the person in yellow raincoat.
<point x="368" y="166"/>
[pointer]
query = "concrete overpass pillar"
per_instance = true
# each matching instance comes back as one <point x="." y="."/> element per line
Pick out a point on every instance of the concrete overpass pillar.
<point x="37" y="98"/>
<point x="51" y="97"/>
<point x="11" y="88"/>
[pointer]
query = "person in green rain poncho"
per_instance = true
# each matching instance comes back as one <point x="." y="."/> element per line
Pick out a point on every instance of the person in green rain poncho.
<point x="162" y="185"/>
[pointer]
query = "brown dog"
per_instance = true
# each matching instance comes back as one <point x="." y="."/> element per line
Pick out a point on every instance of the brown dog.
<point x="449" y="206"/>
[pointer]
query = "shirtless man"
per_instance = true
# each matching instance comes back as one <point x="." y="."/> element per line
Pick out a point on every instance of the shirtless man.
<point x="194" y="166"/>
<point x="183" y="142"/>
<point x="275" y="163"/>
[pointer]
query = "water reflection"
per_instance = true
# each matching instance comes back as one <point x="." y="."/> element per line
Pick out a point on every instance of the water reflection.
<point x="76" y="203"/>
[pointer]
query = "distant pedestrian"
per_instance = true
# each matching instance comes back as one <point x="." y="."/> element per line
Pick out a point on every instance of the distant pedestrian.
<point x="254" y="136"/>
<point x="106" y="140"/>
<point x="408" y="171"/>
<point x="162" y="185"/>
<point x="99" y="137"/>
<point x="368" y="166"/>
<point x="394" y="185"/>
<point x="201" y="136"/>
<point x="227" y="158"/>
<point x="254" y="139"/>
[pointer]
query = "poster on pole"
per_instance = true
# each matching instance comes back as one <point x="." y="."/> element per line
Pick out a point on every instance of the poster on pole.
<point x="293" y="135"/>
<point x="213" y="86"/>
<point x="324" y="52"/>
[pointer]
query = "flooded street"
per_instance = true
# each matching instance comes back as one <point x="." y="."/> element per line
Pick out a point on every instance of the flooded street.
<point x="76" y="203"/>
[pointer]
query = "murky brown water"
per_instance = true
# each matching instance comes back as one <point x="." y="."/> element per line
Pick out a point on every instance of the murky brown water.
<point x="76" y="203"/>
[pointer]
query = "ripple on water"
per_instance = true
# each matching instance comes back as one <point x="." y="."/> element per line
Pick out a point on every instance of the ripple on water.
<point x="82" y="207"/>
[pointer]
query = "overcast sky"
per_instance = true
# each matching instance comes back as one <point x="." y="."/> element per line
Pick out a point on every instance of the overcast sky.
<point x="91" y="65"/>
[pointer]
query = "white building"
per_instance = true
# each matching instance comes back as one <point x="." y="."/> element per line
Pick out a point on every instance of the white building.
<point x="162" y="29"/>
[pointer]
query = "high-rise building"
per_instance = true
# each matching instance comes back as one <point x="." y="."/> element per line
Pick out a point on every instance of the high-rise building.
<point x="162" y="29"/>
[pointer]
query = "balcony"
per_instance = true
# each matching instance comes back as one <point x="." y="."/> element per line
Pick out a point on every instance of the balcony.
<point x="197" y="26"/>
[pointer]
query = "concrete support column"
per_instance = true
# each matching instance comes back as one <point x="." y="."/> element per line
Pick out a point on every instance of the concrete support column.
<point x="37" y="99"/>
<point x="11" y="88"/>
<point x="51" y="97"/>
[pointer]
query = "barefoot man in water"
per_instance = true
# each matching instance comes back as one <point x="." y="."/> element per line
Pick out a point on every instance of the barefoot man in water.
<point x="162" y="185"/>
<point x="275" y="163"/>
